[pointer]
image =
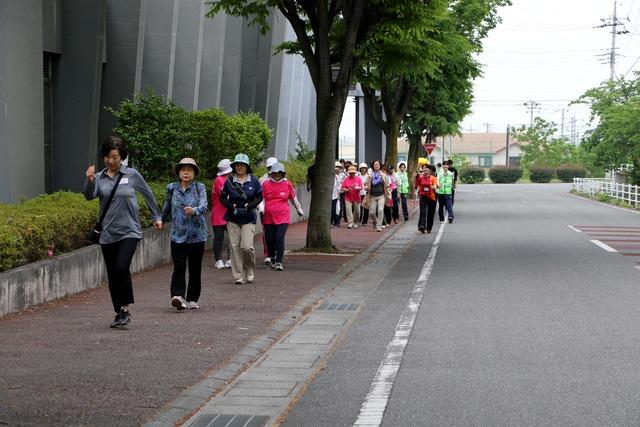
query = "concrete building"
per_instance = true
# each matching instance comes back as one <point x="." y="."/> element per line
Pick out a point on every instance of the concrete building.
<point x="63" y="61"/>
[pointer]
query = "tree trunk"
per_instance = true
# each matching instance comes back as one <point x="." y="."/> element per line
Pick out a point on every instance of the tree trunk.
<point x="635" y="173"/>
<point x="412" y="159"/>
<point x="392" y="131"/>
<point x="328" y="115"/>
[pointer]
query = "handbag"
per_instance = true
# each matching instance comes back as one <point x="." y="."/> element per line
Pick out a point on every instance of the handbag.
<point x="94" y="235"/>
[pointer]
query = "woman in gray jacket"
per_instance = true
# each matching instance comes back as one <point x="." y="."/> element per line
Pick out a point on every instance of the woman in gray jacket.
<point x="121" y="230"/>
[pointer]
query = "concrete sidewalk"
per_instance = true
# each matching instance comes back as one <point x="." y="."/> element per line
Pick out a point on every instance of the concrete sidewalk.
<point x="62" y="364"/>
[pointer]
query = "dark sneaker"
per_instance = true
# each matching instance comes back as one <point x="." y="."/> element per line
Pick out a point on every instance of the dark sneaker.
<point x="428" y="231"/>
<point x="116" y="322"/>
<point x="125" y="317"/>
<point x="450" y="220"/>
<point x="421" y="229"/>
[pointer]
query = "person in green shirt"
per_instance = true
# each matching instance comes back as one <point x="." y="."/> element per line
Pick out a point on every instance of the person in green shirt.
<point x="403" y="188"/>
<point x="445" y="189"/>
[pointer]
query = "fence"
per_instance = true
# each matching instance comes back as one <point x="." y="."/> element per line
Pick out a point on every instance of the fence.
<point x="594" y="186"/>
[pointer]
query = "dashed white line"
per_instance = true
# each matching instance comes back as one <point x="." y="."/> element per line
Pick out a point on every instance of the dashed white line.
<point x="574" y="229"/>
<point x="603" y="246"/>
<point x="375" y="404"/>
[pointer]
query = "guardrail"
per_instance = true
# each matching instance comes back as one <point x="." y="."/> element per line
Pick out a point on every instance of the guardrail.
<point x="594" y="186"/>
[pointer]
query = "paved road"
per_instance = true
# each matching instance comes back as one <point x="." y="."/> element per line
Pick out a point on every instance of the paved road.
<point x="523" y="321"/>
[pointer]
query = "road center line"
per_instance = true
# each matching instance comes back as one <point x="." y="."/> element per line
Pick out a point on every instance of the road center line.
<point x="375" y="404"/>
<point x="574" y="229"/>
<point x="603" y="246"/>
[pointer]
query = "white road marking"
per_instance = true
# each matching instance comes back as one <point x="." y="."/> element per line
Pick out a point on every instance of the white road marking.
<point x="375" y="404"/>
<point x="574" y="229"/>
<point x="603" y="246"/>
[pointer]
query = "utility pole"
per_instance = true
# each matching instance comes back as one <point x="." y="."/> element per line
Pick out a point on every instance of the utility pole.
<point x="572" y="123"/>
<point x="487" y="126"/>
<point x="562" y="126"/>
<point x="442" y="148"/>
<point x="613" y="22"/>
<point x="531" y="107"/>
<point x="507" y="159"/>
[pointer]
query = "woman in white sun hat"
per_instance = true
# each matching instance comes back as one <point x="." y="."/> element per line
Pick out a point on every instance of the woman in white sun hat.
<point x="218" y="223"/>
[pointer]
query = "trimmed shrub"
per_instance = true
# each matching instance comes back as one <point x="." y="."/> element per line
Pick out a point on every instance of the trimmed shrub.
<point x="471" y="174"/>
<point x="542" y="174"/>
<point x="567" y="172"/>
<point x="505" y="174"/>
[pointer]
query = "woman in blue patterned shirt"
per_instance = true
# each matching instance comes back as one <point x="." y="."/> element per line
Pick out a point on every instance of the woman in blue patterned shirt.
<point x="186" y="202"/>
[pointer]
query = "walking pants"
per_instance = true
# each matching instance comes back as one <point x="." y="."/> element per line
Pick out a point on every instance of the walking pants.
<point x="353" y="212"/>
<point x="395" y="213"/>
<point x="117" y="258"/>
<point x="364" y="212"/>
<point x="405" y="210"/>
<point x="335" y="217"/>
<point x="183" y="254"/>
<point x="376" y="210"/>
<point x="444" y="200"/>
<point x="427" y="212"/>
<point x="243" y="257"/>
<point x="218" y="242"/>
<point x="274" y="236"/>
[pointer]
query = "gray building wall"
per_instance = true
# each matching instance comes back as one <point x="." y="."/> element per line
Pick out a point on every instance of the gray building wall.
<point x="21" y="100"/>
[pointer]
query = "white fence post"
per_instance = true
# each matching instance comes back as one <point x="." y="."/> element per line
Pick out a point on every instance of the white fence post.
<point x="594" y="186"/>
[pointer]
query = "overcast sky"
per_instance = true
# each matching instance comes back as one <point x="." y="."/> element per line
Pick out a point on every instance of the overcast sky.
<point x="547" y="51"/>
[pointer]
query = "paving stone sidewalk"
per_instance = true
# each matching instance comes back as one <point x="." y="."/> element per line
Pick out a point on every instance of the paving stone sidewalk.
<point x="63" y="365"/>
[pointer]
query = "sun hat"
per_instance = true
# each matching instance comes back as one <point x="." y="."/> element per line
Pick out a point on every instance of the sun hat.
<point x="363" y="165"/>
<point x="338" y="164"/>
<point x="224" y="167"/>
<point x="241" y="158"/>
<point x="187" y="161"/>
<point x="271" y="161"/>
<point x="277" y="167"/>
<point x="352" y="169"/>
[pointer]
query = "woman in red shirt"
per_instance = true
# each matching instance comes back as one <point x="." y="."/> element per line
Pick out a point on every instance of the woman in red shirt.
<point x="351" y="187"/>
<point x="277" y="192"/>
<point x="426" y="184"/>
<point x="218" y="210"/>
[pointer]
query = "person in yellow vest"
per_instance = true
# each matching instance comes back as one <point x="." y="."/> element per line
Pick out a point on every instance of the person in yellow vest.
<point x="445" y="190"/>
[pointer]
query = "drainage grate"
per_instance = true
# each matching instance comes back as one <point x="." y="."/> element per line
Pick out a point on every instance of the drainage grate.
<point x="337" y="306"/>
<point x="220" y="420"/>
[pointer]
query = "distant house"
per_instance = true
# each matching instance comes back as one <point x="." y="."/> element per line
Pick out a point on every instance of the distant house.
<point x="481" y="149"/>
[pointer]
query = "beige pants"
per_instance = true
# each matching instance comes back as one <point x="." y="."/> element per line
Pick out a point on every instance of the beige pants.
<point x="353" y="211"/>
<point x="243" y="257"/>
<point x="377" y="210"/>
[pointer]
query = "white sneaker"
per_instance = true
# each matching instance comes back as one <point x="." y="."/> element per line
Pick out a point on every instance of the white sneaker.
<point x="193" y="305"/>
<point x="227" y="264"/>
<point x="384" y="226"/>
<point x="355" y="225"/>
<point x="267" y="261"/>
<point x="350" y="225"/>
<point x="219" y="264"/>
<point x="279" y="266"/>
<point x="238" y="282"/>
<point x="179" y="303"/>
<point x="250" y="276"/>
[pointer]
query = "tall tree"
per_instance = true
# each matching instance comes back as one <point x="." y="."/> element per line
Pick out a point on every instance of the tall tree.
<point x="543" y="147"/>
<point x="327" y="35"/>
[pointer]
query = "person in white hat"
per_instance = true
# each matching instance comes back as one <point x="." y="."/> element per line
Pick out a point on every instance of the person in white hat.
<point x="363" y="173"/>
<point x="335" y="196"/>
<point x="268" y="163"/>
<point x="241" y="195"/>
<point x="218" y="223"/>
<point x="186" y="205"/>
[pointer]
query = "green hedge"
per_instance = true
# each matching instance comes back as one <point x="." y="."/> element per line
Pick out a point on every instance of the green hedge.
<point x="471" y="175"/>
<point x="159" y="133"/>
<point x="567" y="172"/>
<point x="505" y="174"/>
<point x="541" y="174"/>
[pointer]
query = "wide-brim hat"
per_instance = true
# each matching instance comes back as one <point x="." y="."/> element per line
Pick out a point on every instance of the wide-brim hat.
<point x="277" y="168"/>
<point x="338" y="165"/>
<point x="187" y="161"/>
<point x="224" y="167"/>
<point x="363" y="165"/>
<point x="241" y="158"/>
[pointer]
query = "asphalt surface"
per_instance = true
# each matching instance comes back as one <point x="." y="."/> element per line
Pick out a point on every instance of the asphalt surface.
<point x="61" y="364"/>
<point x="524" y="321"/>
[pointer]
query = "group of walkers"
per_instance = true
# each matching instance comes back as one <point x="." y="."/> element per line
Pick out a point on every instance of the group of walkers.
<point x="377" y="192"/>
<point x="236" y="196"/>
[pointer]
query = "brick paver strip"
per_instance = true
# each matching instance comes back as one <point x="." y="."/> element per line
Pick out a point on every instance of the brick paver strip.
<point x="62" y="364"/>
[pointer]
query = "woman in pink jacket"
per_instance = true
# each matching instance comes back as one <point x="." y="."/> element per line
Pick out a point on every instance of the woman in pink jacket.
<point x="277" y="192"/>
<point x="217" y="214"/>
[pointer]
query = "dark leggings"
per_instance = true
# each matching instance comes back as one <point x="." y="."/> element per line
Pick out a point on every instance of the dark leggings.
<point x="395" y="209"/>
<point x="335" y="218"/>
<point x="117" y="258"/>
<point x="274" y="235"/>
<point x="427" y="213"/>
<point x="405" y="210"/>
<point x="183" y="254"/>
<point x="218" y="242"/>
<point x="364" y="212"/>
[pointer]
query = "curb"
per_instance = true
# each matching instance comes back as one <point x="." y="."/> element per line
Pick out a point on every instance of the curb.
<point x="192" y="398"/>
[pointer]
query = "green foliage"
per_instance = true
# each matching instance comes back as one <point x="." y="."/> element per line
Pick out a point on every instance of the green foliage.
<point x="541" y="173"/>
<point x="471" y="174"/>
<point x="505" y="174"/>
<point x="159" y="133"/>
<point x="460" y="161"/>
<point x="543" y="147"/>
<point x="49" y="225"/>
<point x="567" y="172"/>
<point x="303" y="152"/>
<point x="603" y="197"/>
<point x="296" y="171"/>
<point x="615" y="109"/>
